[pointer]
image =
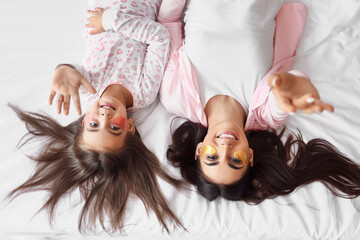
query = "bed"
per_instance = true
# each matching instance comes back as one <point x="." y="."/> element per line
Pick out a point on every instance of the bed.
<point x="37" y="35"/>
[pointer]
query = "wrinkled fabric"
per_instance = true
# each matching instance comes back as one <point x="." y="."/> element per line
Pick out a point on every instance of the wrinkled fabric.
<point x="132" y="51"/>
<point x="180" y="93"/>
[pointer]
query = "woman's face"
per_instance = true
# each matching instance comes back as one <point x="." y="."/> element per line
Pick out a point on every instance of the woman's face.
<point x="106" y="125"/>
<point x="224" y="154"/>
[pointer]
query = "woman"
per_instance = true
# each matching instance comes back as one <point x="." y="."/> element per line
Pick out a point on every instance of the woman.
<point x="101" y="153"/>
<point x="225" y="150"/>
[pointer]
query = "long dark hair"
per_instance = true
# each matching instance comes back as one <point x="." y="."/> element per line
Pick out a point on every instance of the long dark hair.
<point x="105" y="179"/>
<point x="277" y="170"/>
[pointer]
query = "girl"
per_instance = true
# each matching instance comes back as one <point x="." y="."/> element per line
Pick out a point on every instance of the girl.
<point x="101" y="153"/>
<point x="224" y="148"/>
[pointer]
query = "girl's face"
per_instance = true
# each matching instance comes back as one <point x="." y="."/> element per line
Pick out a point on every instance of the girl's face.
<point x="224" y="154"/>
<point x="106" y="125"/>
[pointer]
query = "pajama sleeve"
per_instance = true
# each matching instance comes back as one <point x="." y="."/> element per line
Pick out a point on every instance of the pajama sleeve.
<point x="179" y="92"/>
<point x="156" y="37"/>
<point x="264" y="111"/>
<point x="269" y="114"/>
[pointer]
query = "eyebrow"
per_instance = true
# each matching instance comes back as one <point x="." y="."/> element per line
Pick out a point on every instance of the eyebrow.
<point x="230" y="165"/>
<point x="234" y="167"/>
<point x="96" y="130"/>
<point x="212" y="164"/>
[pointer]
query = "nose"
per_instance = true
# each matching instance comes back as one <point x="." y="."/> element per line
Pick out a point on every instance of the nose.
<point x="225" y="142"/>
<point x="105" y="113"/>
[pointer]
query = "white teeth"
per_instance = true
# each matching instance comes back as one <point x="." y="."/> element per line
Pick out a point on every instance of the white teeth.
<point x="107" y="107"/>
<point x="227" y="136"/>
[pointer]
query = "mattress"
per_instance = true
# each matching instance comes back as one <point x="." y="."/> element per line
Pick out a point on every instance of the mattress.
<point x="37" y="35"/>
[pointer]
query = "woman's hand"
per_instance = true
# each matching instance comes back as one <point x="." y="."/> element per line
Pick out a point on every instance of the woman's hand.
<point x="95" y="21"/>
<point x="296" y="93"/>
<point x="65" y="83"/>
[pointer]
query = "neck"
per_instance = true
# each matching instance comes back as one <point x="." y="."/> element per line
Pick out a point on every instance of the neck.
<point x="121" y="93"/>
<point x="222" y="108"/>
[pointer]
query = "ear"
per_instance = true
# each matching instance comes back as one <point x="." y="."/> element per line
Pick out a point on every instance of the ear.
<point x="251" y="157"/>
<point x="197" y="152"/>
<point x="131" y="126"/>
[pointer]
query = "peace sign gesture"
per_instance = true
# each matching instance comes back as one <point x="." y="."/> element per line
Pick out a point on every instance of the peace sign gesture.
<point x="66" y="83"/>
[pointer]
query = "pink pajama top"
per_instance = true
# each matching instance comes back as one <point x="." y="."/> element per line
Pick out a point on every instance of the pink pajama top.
<point x="132" y="51"/>
<point x="180" y="93"/>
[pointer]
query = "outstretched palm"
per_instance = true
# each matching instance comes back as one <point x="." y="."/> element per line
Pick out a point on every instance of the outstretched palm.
<point x="296" y="93"/>
<point x="66" y="83"/>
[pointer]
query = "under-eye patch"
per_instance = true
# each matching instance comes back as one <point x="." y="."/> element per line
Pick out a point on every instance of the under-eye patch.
<point x="241" y="155"/>
<point x="207" y="150"/>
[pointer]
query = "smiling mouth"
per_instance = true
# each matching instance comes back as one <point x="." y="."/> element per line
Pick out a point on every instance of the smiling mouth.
<point x="107" y="107"/>
<point x="227" y="135"/>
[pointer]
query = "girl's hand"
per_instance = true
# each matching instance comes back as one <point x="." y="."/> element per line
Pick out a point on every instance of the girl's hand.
<point x="296" y="93"/>
<point x="65" y="83"/>
<point x="95" y="21"/>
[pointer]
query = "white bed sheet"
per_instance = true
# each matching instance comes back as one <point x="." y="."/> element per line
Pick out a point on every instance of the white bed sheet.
<point x="36" y="35"/>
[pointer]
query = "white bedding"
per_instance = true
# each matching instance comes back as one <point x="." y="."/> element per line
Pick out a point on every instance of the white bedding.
<point x="36" y="35"/>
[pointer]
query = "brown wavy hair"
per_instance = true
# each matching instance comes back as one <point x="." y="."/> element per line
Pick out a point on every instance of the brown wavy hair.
<point x="276" y="169"/>
<point x="105" y="179"/>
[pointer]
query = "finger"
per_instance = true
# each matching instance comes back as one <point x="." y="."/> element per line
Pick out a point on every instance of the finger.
<point x="324" y="106"/>
<point x="99" y="9"/>
<point x="281" y="80"/>
<point x="90" y="17"/>
<point x="51" y="97"/>
<point x="91" y="12"/>
<point x="60" y="100"/>
<point x="274" y="80"/>
<point x="318" y="106"/>
<point x="314" y="108"/>
<point x="328" y="107"/>
<point x="304" y="101"/>
<point x="89" y="25"/>
<point x="92" y="32"/>
<point x="66" y="104"/>
<point x="88" y="86"/>
<point x="286" y="106"/>
<point x="76" y="100"/>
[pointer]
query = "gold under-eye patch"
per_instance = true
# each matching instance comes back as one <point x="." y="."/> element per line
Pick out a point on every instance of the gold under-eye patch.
<point x="241" y="155"/>
<point x="207" y="150"/>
